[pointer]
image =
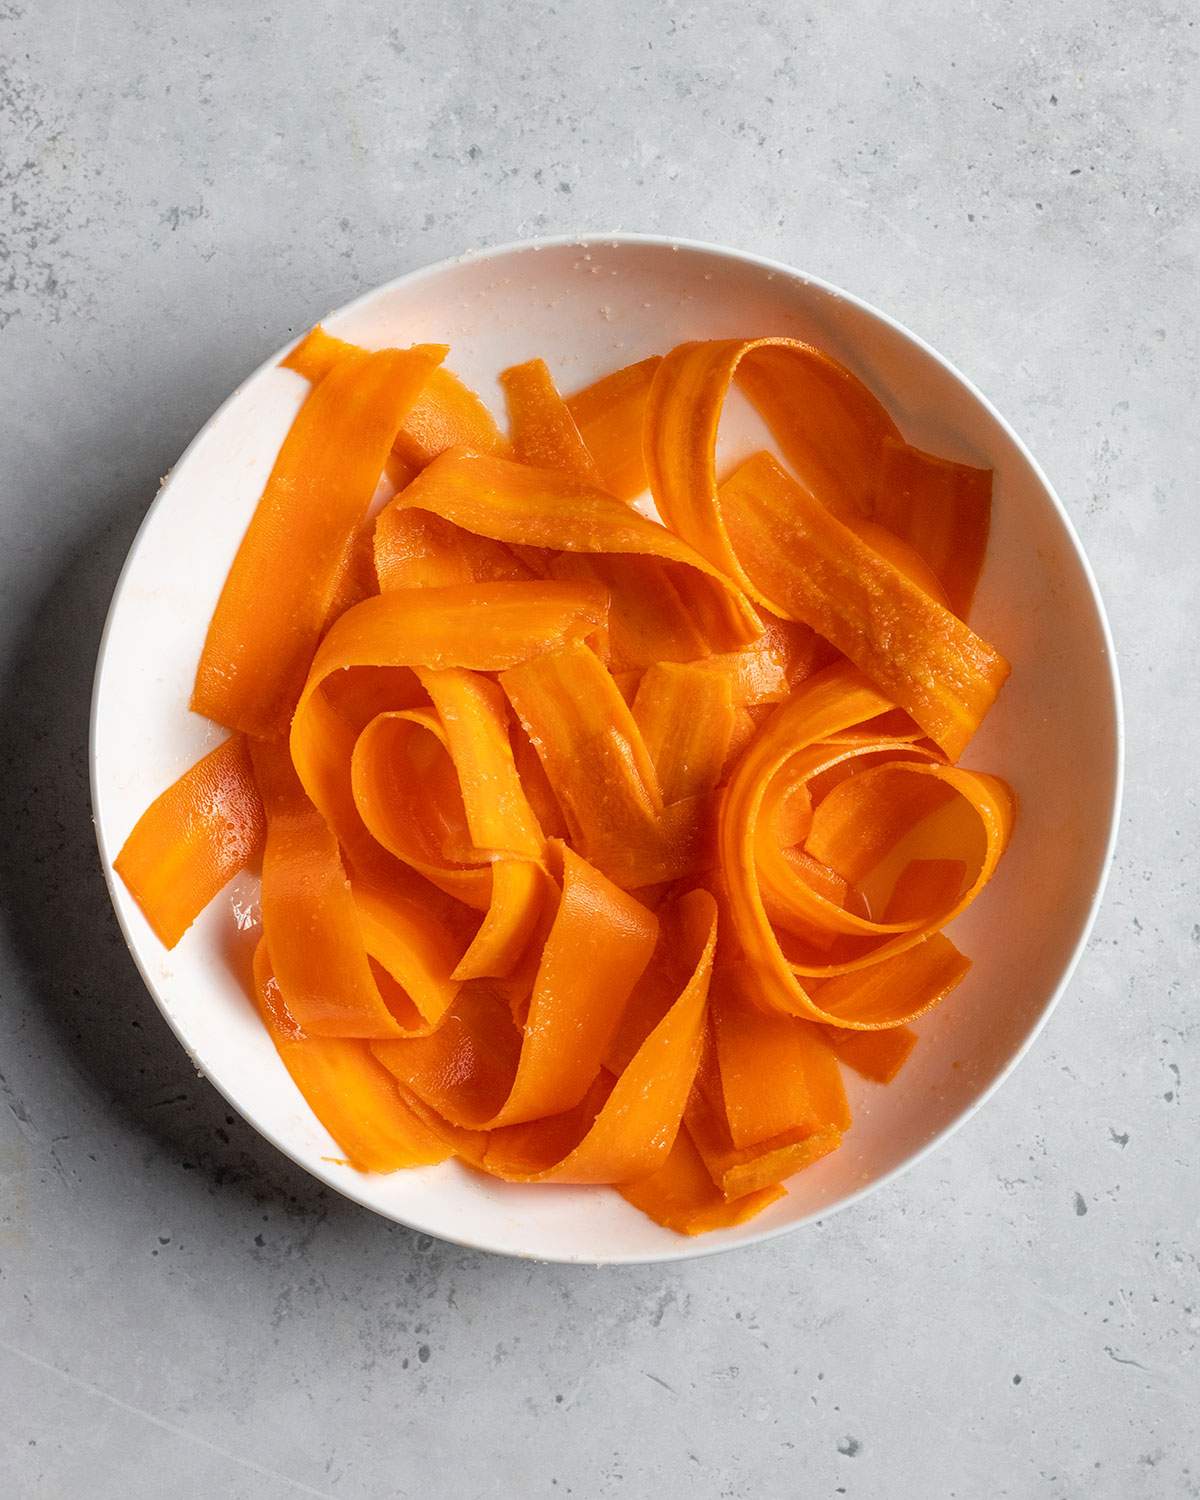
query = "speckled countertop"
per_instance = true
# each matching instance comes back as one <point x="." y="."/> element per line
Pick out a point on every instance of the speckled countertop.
<point x="182" y="1312"/>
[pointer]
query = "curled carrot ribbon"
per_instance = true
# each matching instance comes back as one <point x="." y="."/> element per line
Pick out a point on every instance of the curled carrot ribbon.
<point x="594" y="848"/>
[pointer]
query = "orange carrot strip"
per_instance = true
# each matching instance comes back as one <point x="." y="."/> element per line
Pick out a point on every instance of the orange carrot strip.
<point x="877" y="1055"/>
<point x="686" y="718"/>
<point x="828" y="424"/>
<point x="626" y="1131"/>
<point x="769" y="668"/>
<point x="193" y="839"/>
<point x="445" y="414"/>
<point x="901" y="554"/>
<point x="911" y="981"/>
<point x="737" y="1172"/>
<point x="830" y="702"/>
<point x="598" y="945"/>
<point x="816" y="570"/>
<point x="413" y="943"/>
<point x="544" y="433"/>
<point x="539" y="508"/>
<point x="460" y="817"/>
<point x="474" y="714"/>
<point x="309" y="916"/>
<point x="681" y="1195"/>
<point x="609" y="415"/>
<point x="286" y="574"/>
<point x="601" y="771"/>
<point x="484" y="627"/>
<point x="346" y="1088"/>
<point x="419" y="550"/>
<point x="941" y="509"/>
<point x="588" y="740"/>
<point x="649" y="620"/>
<point x="777" y="1074"/>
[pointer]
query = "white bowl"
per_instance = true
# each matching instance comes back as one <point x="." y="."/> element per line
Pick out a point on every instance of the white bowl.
<point x="589" y="306"/>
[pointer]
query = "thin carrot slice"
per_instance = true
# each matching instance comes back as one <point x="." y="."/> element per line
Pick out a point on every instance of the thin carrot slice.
<point x="540" y="508"/>
<point x="456" y="811"/>
<point x="649" y="620"/>
<point x="824" y="707"/>
<point x="309" y="917"/>
<point x="686" y="718"/>
<point x="602" y="773"/>
<point x="445" y="414"/>
<point x="917" y="977"/>
<point x="346" y="1088"/>
<point x="286" y="574"/>
<point x="609" y="414"/>
<point x="777" y="1073"/>
<point x="598" y="945"/>
<point x="588" y="739"/>
<point x="474" y="714"/>
<point x="544" y="433"/>
<point x="877" y="1055"/>
<point x="771" y="667"/>
<point x="418" y="550"/>
<point x="193" y="839"/>
<point x="830" y="428"/>
<point x="816" y="570"/>
<point x="901" y="554"/>
<point x="735" y="1171"/>
<point x="625" y="1132"/>
<point x="942" y="510"/>
<point x="681" y="1195"/>
<point x="405" y="938"/>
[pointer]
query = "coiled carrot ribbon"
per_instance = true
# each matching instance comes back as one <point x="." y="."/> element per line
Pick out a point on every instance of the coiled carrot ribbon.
<point x="592" y="848"/>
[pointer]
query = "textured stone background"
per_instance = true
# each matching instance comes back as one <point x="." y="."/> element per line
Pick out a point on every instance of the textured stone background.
<point x="184" y="185"/>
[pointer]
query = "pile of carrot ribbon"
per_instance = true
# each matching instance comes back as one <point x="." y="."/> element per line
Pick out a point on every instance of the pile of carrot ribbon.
<point x="591" y="847"/>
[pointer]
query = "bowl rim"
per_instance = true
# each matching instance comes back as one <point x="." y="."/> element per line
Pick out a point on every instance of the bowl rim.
<point x="688" y="1249"/>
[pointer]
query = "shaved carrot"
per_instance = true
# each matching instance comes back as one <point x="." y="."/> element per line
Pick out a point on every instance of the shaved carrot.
<point x="609" y="416"/>
<point x="193" y="839"/>
<point x="544" y="431"/>
<point x="594" y="849"/>
<point x="288" y="568"/>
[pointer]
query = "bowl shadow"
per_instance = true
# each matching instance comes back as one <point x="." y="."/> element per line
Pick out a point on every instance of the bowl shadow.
<point x="79" y="995"/>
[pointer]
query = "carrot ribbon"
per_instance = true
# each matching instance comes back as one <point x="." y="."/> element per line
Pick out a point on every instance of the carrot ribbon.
<point x="594" y="848"/>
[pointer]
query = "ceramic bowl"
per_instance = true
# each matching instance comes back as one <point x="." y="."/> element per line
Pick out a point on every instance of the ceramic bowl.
<point x="589" y="306"/>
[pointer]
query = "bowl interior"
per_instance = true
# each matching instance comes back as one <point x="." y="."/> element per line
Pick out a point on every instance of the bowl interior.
<point x="589" y="307"/>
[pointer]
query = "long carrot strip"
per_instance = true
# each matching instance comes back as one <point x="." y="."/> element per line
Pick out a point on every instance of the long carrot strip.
<point x="681" y="1195"/>
<point x="877" y="1055"/>
<point x="598" y="945"/>
<point x="941" y="509"/>
<point x="193" y="839"/>
<point x="686" y="718"/>
<point x="309" y="916"/>
<point x="609" y="414"/>
<point x="818" y="571"/>
<point x="632" y="1132"/>
<point x="544" y="433"/>
<point x="829" y="703"/>
<point x="285" y="576"/>
<point x="445" y="414"/>
<point x="830" y="428"/>
<point x="349" y="1092"/>
<point x="540" y="508"/>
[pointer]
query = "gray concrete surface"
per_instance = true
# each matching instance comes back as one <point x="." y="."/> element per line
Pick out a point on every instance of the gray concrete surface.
<point x="184" y="1314"/>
